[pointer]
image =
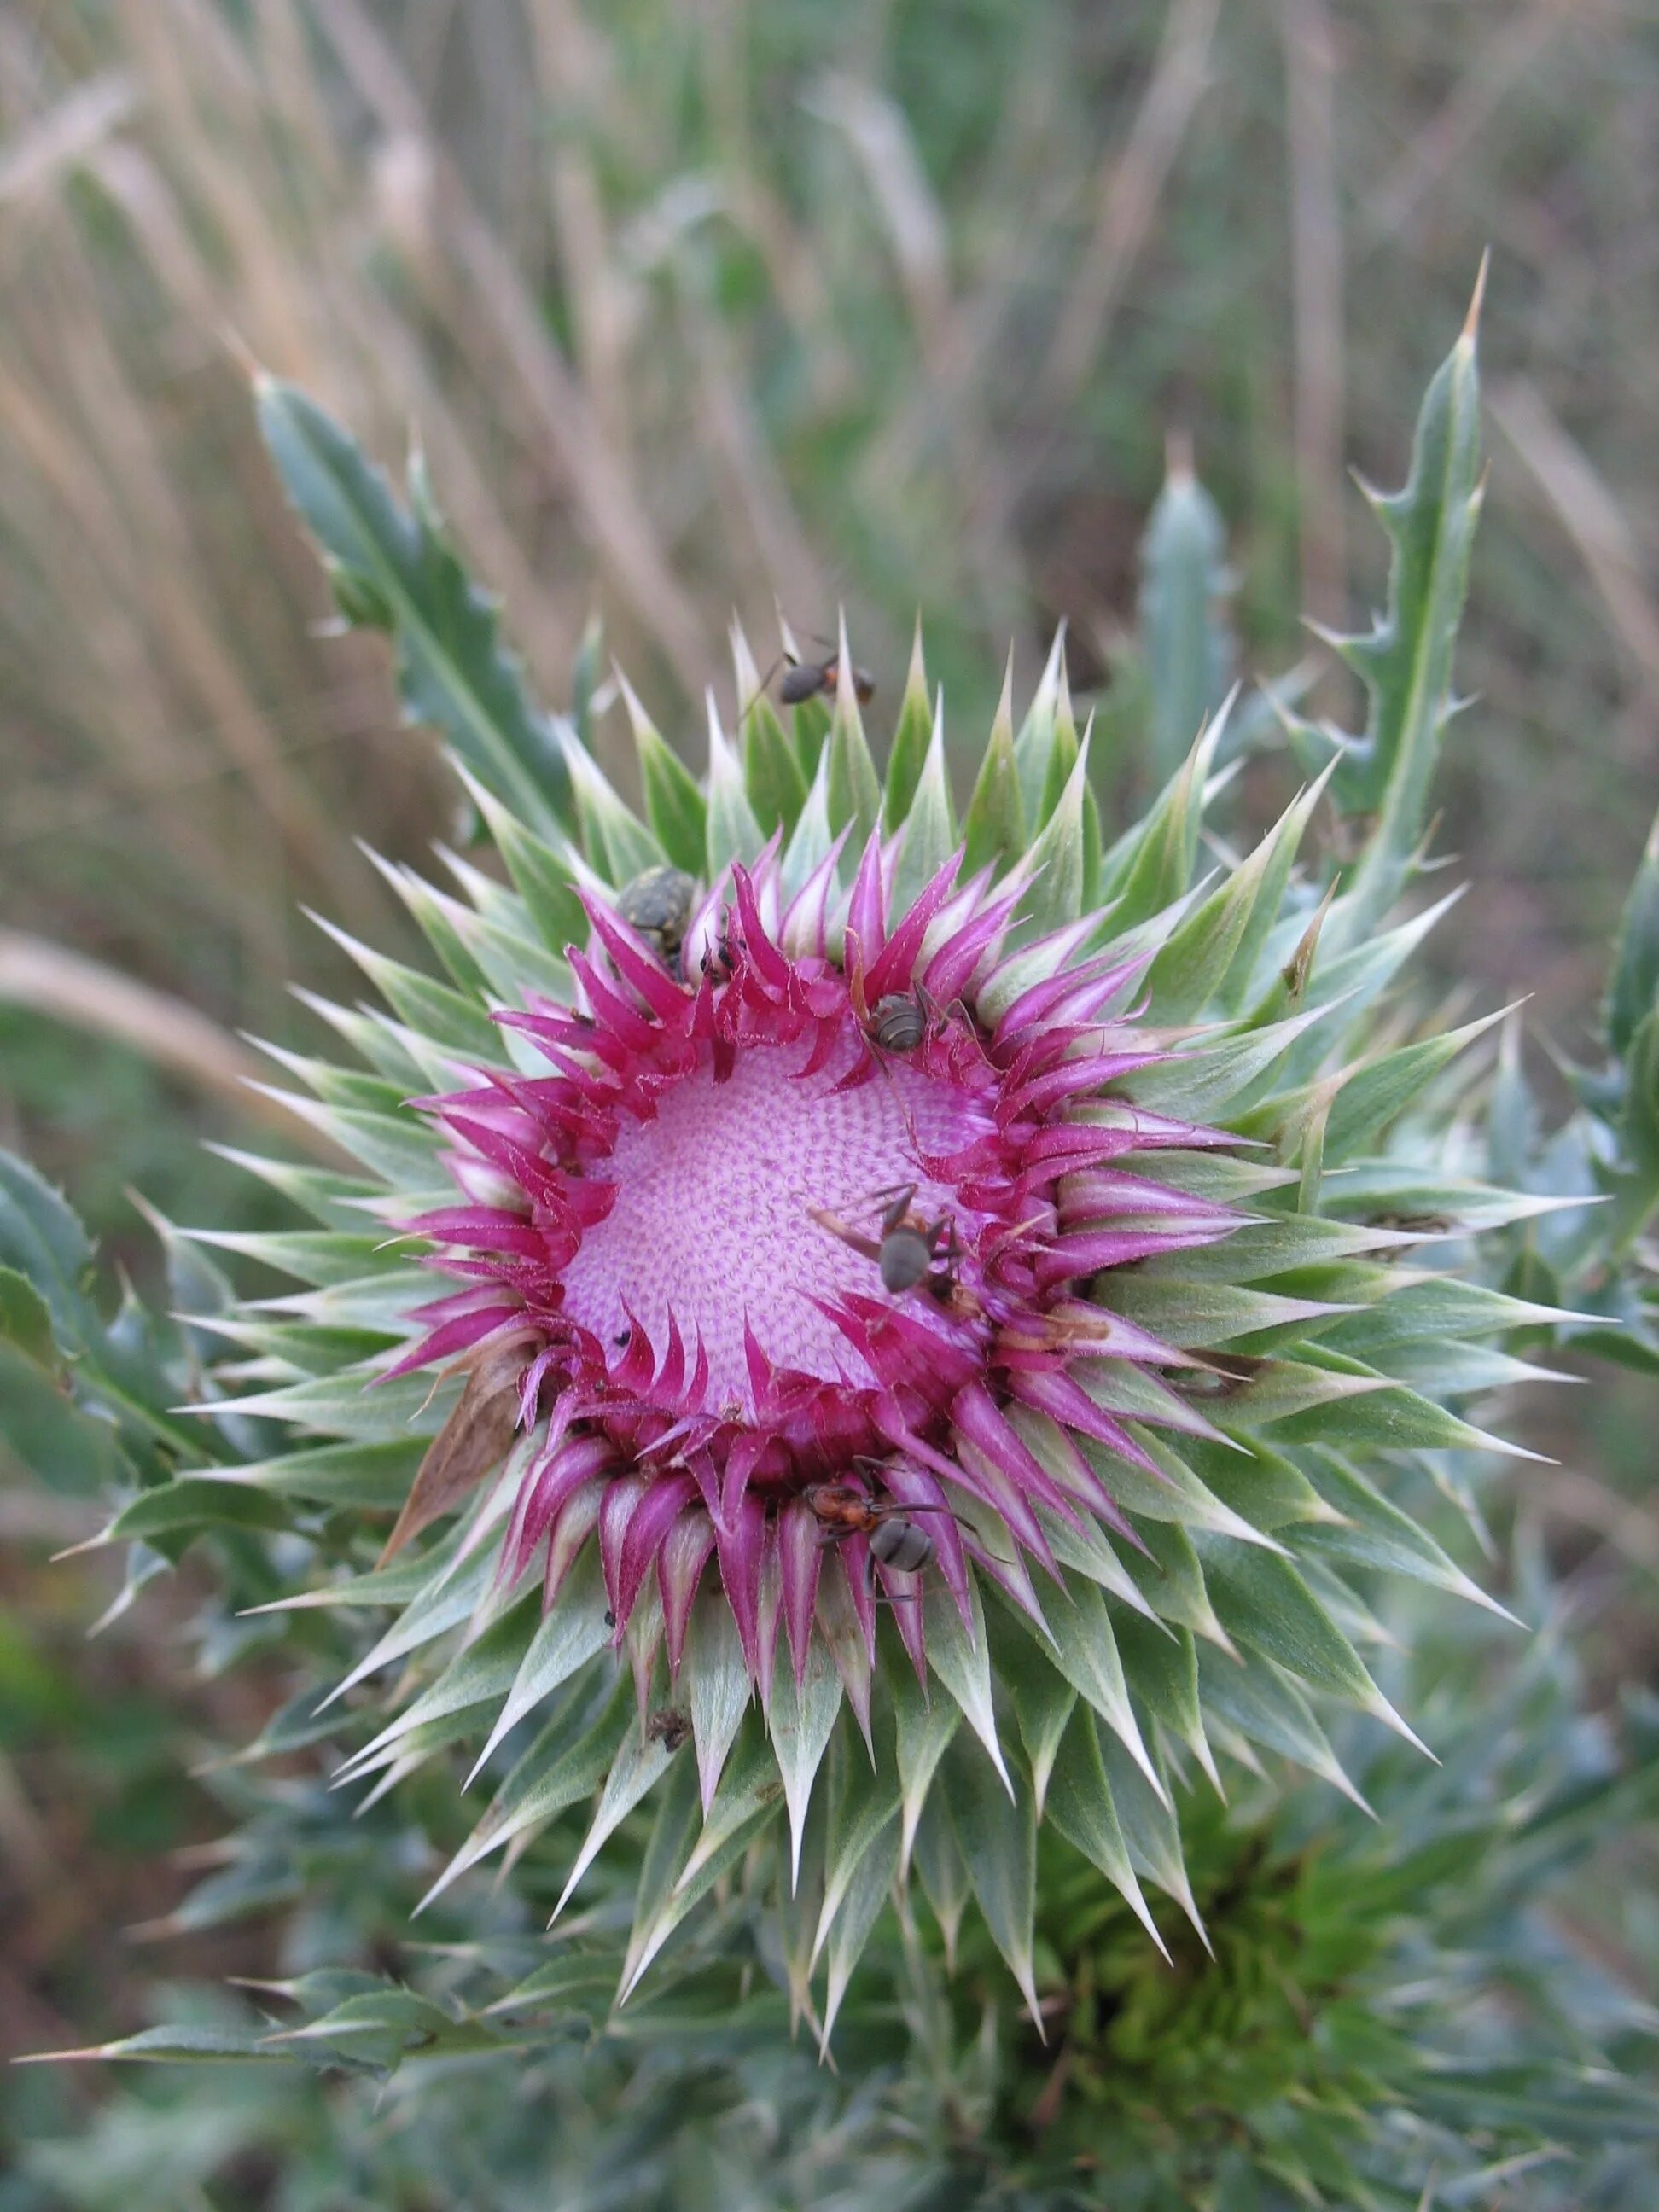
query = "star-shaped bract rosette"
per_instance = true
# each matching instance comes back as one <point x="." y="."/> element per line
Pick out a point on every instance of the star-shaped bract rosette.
<point x="940" y="1321"/>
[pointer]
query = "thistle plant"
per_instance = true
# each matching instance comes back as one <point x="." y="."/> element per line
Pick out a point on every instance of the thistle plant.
<point x="870" y="1367"/>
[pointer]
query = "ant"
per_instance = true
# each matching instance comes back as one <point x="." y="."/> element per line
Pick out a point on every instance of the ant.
<point x="844" y="1510"/>
<point x="668" y="1728"/>
<point x="809" y="679"/>
<point x="907" y="1251"/>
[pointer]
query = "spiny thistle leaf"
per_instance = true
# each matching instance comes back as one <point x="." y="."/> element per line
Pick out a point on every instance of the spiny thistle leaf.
<point x="1405" y="660"/>
<point x="394" y="569"/>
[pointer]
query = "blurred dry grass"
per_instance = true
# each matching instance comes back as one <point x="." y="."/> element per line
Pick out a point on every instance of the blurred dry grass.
<point x="887" y="303"/>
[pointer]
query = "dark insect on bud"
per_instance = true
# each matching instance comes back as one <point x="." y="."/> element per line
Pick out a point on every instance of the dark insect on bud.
<point x="908" y="1251"/>
<point x="895" y="1539"/>
<point x="899" y="1023"/>
<point x="902" y="1545"/>
<point x="805" y="679"/>
<point x="657" y="906"/>
<point x="668" y="1728"/>
<point x="910" y="1248"/>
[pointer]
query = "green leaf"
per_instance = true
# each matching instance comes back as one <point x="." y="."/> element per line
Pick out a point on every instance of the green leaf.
<point x="961" y="1659"/>
<point x="1150" y="1828"/>
<point x="745" y="1802"/>
<point x="750" y="1786"/>
<point x="864" y="1804"/>
<point x="1057" y="861"/>
<point x="1262" y="1601"/>
<point x="1038" y="749"/>
<point x="666" y="1850"/>
<point x="26" y="1318"/>
<point x="576" y="1982"/>
<point x="995" y="1833"/>
<point x="617" y="842"/>
<point x="993" y="827"/>
<point x="1171" y="1581"/>
<point x="1185" y="641"/>
<point x="193" y="1502"/>
<point x="854" y="786"/>
<point x="800" y="1721"/>
<point x="69" y="1449"/>
<point x="718" y="1684"/>
<point x="1250" y="1694"/>
<point x="1081" y="1808"/>
<point x="1214" y="951"/>
<point x="1633" y="985"/>
<point x="913" y="739"/>
<point x="855" y="1923"/>
<point x="562" y="1768"/>
<point x="1153" y="867"/>
<point x="944" y="1876"/>
<point x="674" y="802"/>
<point x="42" y="1240"/>
<point x="480" y="1673"/>
<point x="1042" y="1701"/>
<point x="573" y="1632"/>
<point x="441" y="920"/>
<point x="586" y="672"/>
<point x="380" y="2027"/>
<point x="1374" y="1532"/>
<point x="1378" y="1090"/>
<point x="925" y="1727"/>
<point x="186" y="2043"/>
<point x="810" y="846"/>
<point x="1162" y="1665"/>
<point x="773" y="775"/>
<point x="930" y="828"/>
<point x="1197" y="1085"/>
<point x="432" y="1009"/>
<point x="733" y="832"/>
<point x="1085" y="1651"/>
<point x="394" y="569"/>
<point x="1639" y="1123"/>
<point x="1406" y="660"/>
<point x="544" y="874"/>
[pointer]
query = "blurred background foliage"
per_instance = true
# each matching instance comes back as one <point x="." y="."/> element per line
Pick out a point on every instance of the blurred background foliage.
<point x="896" y="303"/>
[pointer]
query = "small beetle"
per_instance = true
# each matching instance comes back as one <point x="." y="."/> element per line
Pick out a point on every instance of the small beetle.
<point x="899" y="1023"/>
<point x="657" y="906"/>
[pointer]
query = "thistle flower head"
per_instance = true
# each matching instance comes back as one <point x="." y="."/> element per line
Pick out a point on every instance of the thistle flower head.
<point x="939" y="1322"/>
<point x="780" y="1262"/>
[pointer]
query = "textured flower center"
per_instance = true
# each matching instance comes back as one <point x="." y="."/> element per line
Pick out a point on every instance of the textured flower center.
<point x="714" y="1223"/>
